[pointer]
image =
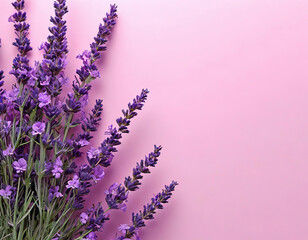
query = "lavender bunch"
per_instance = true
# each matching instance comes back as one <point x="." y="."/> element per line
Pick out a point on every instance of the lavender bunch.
<point x="43" y="135"/>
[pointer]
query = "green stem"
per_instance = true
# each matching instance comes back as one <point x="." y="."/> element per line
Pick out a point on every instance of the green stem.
<point x="67" y="126"/>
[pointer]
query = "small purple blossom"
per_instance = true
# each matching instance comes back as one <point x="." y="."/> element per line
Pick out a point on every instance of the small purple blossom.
<point x="20" y="165"/>
<point x="54" y="193"/>
<point x="84" y="100"/>
<point x="112" y="189"/>
<point x="83" y="217"/>
<point x="98" y="173"/>
<point x="110" y="129"/>
<point x="44" y="99"/>
<point x="116" y="195"/>
<point x="12" y="95"/>
<point x="38" y="128"/>
<point x="123" y="227"/>
<point x="91" y="236"/>
<point x="46" y="81"/>
<point x="74" y="183"/>
<point x="6" y="193"/>
<point x="95" y="74"/>
<point x="57" y="168"/>
<point x="7" y="125"/>
<point x="9" y="151"/>
<point x="93" y="153"/>
<point x="83" y="142"/>
<point x="122" y="207"/>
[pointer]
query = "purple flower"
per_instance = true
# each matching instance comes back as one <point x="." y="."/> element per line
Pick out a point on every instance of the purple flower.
<point x="46" y="81"/>
<point x="116" y="195"/>
<point x="57" y="168"/>
<point x="9" y="151"/>
<point x="63" y="80"/>
<point x="110" y="130"/>
<point x="48" y="166"/>
<point x="38" y="128"/>
<point x="84" y="100"/>
<point x="6" y="193"/>
<point x="95" y="74"/>
<point x="98" y="173"/>
<point x="20" y="165"/>
<point x="83" y="142"/>
<point x="74" y="183"/>
<point x="84" y="56"/>
<point x="91" y="236"/>
<point x="122" y="207"/>
<point x="6" y="126"/>
<point x="12" y="95"/>
<point x="112" y="189"/>
<point x="93" y="153"/>
<point x="83" y="217"/>
<point x="72" y="104"/>
<point x="58" y="194"/>
<point x="44" y="99"/>
<point x="54" y="193"/>
<point x="123" y="227"/>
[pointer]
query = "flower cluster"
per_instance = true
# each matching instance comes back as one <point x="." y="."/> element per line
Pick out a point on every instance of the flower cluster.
<point x="43" y="134"/>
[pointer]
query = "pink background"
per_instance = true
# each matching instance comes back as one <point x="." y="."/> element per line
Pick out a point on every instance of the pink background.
<point x="228" y="102"/>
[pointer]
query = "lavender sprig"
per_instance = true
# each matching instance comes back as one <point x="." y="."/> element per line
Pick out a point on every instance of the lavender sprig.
<point x="22" y="42"/>
<point x="51" y="71"/>
<point x="138" y="219"/>
<point x="117" y="194"/>
<point x="108" y="146"/>
<point x="21" y="69"/>
<point x="88" y="71"/>
<point x="132" y="183"/>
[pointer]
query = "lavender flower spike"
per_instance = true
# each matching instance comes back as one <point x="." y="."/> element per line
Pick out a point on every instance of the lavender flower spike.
<point x="55" y="50"/>
<point x="21" y="69"/>
<point x="116" y="196"/>
<point x="89" y="70"/>
<point x="108" y="146"/>
<point x="148" y="211"/>
<point x="21" y="28"/>
<point x="132" y="183"/>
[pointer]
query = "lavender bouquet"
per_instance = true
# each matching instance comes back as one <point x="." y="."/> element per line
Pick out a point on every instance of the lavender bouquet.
<point x="43" y="180"/>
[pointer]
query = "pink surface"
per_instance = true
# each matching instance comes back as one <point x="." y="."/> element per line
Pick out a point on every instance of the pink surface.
<point x="228" y="102"/>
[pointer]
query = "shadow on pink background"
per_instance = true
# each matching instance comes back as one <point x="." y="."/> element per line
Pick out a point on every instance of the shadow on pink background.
<point x="228" y="102"/>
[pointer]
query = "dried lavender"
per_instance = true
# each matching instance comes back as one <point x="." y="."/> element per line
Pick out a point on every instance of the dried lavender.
<point x="43" y="183"/>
